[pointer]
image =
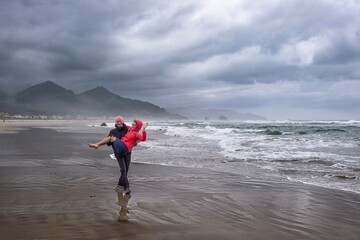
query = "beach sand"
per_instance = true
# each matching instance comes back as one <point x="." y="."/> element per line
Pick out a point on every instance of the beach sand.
<point x="54" y="187"/>
<point x="15" y="125"/>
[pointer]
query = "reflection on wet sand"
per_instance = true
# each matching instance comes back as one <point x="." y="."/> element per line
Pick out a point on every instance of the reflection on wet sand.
<point x="123" y="201"/>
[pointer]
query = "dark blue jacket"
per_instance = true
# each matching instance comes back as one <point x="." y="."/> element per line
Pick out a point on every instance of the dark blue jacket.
<point x="118" y="132"/>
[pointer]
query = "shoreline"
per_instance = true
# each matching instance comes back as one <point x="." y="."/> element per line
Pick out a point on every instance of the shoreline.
<point x="55" y="187"/>
<point x="9" y="126"/>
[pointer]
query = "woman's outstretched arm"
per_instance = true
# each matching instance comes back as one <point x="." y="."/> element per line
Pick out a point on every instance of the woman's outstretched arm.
<point x="142" y="136"/>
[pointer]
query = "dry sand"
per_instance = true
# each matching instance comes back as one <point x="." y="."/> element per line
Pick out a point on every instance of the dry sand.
<point x="54" y="187"/>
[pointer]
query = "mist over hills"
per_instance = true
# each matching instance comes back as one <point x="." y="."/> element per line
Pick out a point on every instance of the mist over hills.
<point x="213" y="114"/>
<point x="3" y="96"/>
<point x="4" y="99"/>
<point x="48" y="98"/>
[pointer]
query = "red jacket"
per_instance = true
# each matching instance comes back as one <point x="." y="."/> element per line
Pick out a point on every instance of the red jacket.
<point x="132" y="136"/>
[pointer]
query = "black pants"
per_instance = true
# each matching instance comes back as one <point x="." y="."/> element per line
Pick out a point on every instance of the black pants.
<point x="124" y="164"/>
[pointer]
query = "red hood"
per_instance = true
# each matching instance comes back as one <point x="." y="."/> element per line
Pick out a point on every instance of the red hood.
<point x="138" y="125"/>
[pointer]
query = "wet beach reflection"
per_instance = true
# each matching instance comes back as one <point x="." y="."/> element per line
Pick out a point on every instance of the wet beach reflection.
<point x="123" y="201"/>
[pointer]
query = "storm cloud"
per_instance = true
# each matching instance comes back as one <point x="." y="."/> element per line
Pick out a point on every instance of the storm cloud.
<point x="281" y="59"/>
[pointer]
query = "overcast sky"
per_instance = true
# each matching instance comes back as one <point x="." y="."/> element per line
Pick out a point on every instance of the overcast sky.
<point x="288" y="59"/>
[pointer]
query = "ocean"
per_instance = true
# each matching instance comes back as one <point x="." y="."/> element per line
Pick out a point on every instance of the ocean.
<point x="322" y="153"/>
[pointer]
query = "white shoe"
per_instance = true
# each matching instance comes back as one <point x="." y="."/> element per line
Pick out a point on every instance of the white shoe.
<point x="123" y="218"/>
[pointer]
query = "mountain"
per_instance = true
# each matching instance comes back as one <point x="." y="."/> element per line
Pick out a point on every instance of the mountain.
<point x="103" y="101"/>
<point x="45" y="92"/>
<point x="213" y="114"/>
<point x="48" y="98"/>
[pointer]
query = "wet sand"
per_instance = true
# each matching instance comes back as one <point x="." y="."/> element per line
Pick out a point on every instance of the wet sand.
<point x="15" y="125"/>
<point x="54" y="187"/>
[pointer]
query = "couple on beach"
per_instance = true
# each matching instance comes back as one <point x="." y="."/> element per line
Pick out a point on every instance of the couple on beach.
<point x="122" y="139"/>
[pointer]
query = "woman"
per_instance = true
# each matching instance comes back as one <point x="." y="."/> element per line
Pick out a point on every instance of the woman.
<point x="122" y="147"/>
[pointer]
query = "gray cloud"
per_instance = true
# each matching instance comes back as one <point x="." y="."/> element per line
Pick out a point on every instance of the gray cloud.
<point x="204" y="53"/>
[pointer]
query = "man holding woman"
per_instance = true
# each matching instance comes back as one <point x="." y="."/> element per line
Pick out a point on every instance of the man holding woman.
<point x="122" y="139"/>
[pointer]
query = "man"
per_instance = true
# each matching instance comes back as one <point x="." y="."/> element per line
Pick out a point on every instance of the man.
<point x="119" y="131"/>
